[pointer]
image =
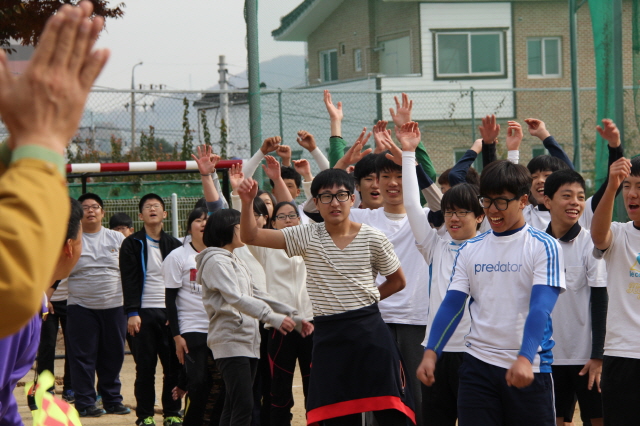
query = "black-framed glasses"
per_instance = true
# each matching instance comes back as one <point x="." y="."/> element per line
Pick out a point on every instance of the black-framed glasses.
<point x="283" y="216"/>
<point x="95" y="207"/>
<point x="461" y="213"/>
<point x="341" y="196"/>
<point x="501" y="203"/>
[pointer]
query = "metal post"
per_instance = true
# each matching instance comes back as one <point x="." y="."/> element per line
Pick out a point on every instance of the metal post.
<point x="84" y="184"/>
<point x="251" y="16"/>
<point x="575" y="94"/>
<point x="174" y="215"/>
<point x="473" y="116"/>
<point x="280" y="114"/>
<point x="133" y="107"/>
<point x="224" y="97"/>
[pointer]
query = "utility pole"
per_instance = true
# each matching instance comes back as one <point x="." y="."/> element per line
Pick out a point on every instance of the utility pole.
<point x="133" y="108"/>
<point x="575" y="88"/>
<point x="224" y="97"/>
<point x="251" y="16"/>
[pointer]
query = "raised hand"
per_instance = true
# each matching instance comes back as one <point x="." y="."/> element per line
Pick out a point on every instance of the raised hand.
<point x="355" y="153"/>
<point x="284" y="152"/>
<point x="409" y="136"/>
<point x="477" y="146"/>
<point x="206" y="160"/>
<point x="618" y="172"/>
<point x="537" y="128"/>
<point x="514" y="136"/>
<point x="236" y="176"/>
<point x="270" y="144"/>
<point x="304" y="169"/>
<point x="402" y="114"/>
<point x="272" y="168"/>
<point x="248" y="190"/>
<point x="394" y="154"/>
<point x="335" y="112"/>
<point x="43" y="106"/>
<point x="306" y="140"/>
<point x="489" y="129"/>
<point x="609" y="132"/>
<point x="381" y="134"/>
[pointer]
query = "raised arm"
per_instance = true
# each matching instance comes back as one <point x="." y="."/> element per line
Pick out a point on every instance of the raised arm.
<point x="603" y="216"/>
<point x="489" y="131"/>
<point x="268" y="145"/>
<point x="284" y="152"/>
<point x="272" y="170"/>
<point x="538" y="129"/>
<point x="308" y="142"/>
<point x="513" y="141"/>
<point x="458" y="174"/>
<point x="355" y="153"/>
<point x="336" y="142"/>
<point x="249" y="231"/>
<point x="207" y="161"/>
<point x="609" y="132"/>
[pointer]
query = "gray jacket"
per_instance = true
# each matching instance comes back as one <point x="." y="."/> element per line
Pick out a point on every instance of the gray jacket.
<point x="235" y="305"/>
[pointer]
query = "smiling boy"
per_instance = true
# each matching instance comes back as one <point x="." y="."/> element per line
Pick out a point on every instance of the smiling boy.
<point x="619" y="245"/>
<point x="505" y="377"/>
<point x="353" y="348"/>
<point x="580" y="314"/>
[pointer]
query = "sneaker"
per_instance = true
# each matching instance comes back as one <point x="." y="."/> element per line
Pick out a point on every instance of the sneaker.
<point x="99" y="401"/>
<point x="91" y="411"/>
<point x="69" y="396"/>
<point x="117" y="409"/>
<point x="172" y="421"/>
<point x="146" y="421"/>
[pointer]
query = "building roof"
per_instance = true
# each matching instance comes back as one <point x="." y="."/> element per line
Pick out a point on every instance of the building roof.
<point x="304" y="19"/>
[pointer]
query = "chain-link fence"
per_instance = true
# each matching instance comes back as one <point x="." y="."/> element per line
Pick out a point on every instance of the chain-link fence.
<point x="169" y="124"/>
<point x="130" y="207"/>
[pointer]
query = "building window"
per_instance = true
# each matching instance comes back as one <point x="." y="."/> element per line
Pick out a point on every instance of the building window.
<point x="459" y="153"/>
<point x="357" y="59"/>
<point x="329" y="65"/>
<point x="395" y="56"/>
<point x="471" y="53"/>
<point x="543" y="57"/>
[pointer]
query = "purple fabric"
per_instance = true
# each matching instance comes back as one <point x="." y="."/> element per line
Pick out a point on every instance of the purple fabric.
<point x="17" y="354"/>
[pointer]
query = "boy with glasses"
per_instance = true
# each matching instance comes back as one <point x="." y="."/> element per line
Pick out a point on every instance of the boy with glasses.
<point x="96" y="324"/>
<point x="353" y="348"/>
<point x="141" y="260"/>
<point x="513" y="276"/>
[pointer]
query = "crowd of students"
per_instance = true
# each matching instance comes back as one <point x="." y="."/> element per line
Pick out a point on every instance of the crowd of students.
<point x="495" y="298"/>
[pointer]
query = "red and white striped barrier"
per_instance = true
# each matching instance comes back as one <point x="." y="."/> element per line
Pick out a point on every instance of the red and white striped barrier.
<point x="148" y="166"/>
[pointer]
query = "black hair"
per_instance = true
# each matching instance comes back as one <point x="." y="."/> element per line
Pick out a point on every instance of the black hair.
<point x="270" y="195"/>
<point x="635" y="167"/>
<point x="91" y="196"/>
<point x="462" y="196"/>
<point x="202" y="202"/>
<point x="259" y="207"/>
<point x="383" y="164"/>
<point x="195" y="214"/>
<point x="76" y="215"/>
<point x="559" y="178"/>
<point x="365" y="167"/>
<point x="120" y="219"/>
<point x="281" y="205"/>
<point x="150" y="196"/>
<point x="290" y="173"/>
<point x="546" y="163"/>
<point x="220" y="228"/>
<point x="330" y="178"/>
<point x="504" y="176"/>
<point x="471" y="177"/>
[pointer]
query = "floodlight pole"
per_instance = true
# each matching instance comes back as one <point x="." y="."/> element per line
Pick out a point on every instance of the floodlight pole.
<point x="133" y="107"/>
<point x="575" y="88"/>
<point x="253" y="61"/>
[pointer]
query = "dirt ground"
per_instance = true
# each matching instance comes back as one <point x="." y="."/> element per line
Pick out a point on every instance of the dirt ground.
<point x="127" y="376"/>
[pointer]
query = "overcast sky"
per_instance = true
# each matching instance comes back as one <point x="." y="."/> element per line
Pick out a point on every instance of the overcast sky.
<point x="179" y="41"/>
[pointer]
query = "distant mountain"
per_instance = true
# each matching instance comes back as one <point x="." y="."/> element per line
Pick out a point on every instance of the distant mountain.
<point x="282" y="72"/>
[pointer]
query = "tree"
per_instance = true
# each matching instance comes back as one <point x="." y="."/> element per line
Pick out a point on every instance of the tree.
<point x="24" y="20"/>
<point x="187" y="137"/>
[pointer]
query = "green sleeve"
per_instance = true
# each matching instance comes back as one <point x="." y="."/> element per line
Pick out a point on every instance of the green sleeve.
<point x="336" y="149"/>
<point x="40" y="153"/>
<point x="425" y="161"/>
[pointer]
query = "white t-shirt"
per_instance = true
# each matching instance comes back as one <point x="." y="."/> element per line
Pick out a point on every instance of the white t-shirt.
<point x="94" y="283"/>
<point x="341" y="280"/>
<point x="153" y="289"/>
<point x="408" y="306"/>
<point x="62" y="292"/>
<point x="179" y="271"/>
<point x="540" y="219"/>
<point x="498" y="273"/>
<point x="440" y="254"/>
<point x="253" y="266"/>
<point x="572" y="313"/>
<point x="623" y="269"/>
